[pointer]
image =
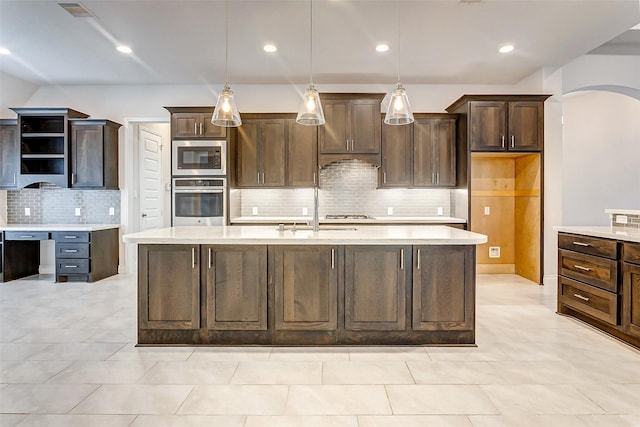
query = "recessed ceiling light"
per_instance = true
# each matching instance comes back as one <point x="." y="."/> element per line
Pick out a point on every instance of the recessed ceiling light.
<point x="382" y="47"/>
<point x="506" y="48"/>
<point x="124" y="49"/>
<point x="4" y="51"/>
<point x="270" y="48"/>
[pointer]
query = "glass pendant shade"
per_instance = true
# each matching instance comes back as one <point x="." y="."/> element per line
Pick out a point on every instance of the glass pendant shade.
<point x="399" y="110"/>
<point x="226" y="113"/>
<point x="310" y="112"/>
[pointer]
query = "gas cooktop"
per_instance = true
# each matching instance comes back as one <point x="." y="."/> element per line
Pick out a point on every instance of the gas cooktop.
<point x="348" y="216"/>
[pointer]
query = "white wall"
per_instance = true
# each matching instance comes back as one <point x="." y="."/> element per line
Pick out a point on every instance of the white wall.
<point x="606" y="72"/>
<point x="14" y="92"/>
<point x="601" y="156"/>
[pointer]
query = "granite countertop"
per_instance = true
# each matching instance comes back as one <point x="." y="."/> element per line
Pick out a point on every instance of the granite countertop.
<point x="607" y="232"/>
<point x="374" y="221"/>
<point x="370" y="235"/>
<point x="57" y="227"/>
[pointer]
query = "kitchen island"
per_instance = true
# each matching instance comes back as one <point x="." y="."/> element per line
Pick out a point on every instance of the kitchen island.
<point x="255" y="285"/>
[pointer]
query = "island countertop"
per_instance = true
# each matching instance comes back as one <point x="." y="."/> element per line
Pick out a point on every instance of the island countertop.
<point x="607" y="232"/>
<point x="369" y="235"/>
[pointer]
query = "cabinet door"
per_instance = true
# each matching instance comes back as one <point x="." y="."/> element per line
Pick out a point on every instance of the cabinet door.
<point x="444" y="152"/>
<point x="236" y="283"/>
<point x="208" y="129"/>
<point x="302" y="161"/>
<point x="631" y="299"/>
<point x="526" y="126"/>
<point x="305" y="284"/>
<point x="272" y="152"/>
<point x="9" y="156"/>
<point x="185" y="125"/>
<point x="333" y="136"/>
<point x="375" y="288"/>
<point x="248" y="157"/>
<point x="487" y="125"/>
<point x="423" y="162"/>
<point x="397" y="156"/>
<point x="168" y="286"/>
<point x="365" y="126"/>
<point x="87" y="156"/>
<point x="443" y="288"/>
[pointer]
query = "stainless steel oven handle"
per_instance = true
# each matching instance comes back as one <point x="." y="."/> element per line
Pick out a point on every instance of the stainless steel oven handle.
<point x="216" y="191"/>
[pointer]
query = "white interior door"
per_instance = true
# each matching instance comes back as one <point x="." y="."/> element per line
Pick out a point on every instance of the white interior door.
<point x="150" y="179"/>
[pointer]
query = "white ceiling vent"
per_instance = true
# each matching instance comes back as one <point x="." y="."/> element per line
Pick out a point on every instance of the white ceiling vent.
<point x="77" y="10"/>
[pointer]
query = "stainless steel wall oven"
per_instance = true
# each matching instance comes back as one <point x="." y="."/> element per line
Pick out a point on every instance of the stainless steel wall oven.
<point x="199" y="201"/>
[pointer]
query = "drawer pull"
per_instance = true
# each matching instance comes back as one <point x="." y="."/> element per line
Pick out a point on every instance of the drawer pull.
<point x="70" y="237"/>
<point x="70" y="251"/>
<point x="581" y="244"/>
<point x="581" y="297"/>
<point x="71" y="266"/>
<point x="333" y="258"/>
<point x="579" y="267"/>
<point x="25" y="236"/>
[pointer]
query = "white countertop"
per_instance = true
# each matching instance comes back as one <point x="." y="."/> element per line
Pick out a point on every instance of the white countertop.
<point x="622" y="211"/>
<point x="607" y="232"/>
<point x="57" y="227"/>
<point x="373" y="221"/>
<point x="370" y="235"/>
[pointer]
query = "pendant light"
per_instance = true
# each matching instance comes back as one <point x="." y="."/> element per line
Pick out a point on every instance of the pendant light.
<point x="226" y="113"/>
<point x="399" y="110"/>
<point x="310" y="112"/>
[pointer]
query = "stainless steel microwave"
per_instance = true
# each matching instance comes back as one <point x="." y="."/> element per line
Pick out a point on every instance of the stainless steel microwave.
<point x="201" y="158"/>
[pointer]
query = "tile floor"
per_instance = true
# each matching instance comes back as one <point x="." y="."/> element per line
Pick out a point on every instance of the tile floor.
<point x="67" y="358"/>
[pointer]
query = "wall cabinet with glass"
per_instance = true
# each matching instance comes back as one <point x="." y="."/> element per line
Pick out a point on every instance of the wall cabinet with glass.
<point x="9" y="154"/>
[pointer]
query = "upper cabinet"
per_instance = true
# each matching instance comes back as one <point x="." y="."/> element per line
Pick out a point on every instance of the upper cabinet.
<point x="422" y="154"/>
<point x="94" y="154"/>
<point x="503" y="122"/>
<point x="9" y="153"/>
<point x="352" y="127"/>
<point x="194" y="123"/>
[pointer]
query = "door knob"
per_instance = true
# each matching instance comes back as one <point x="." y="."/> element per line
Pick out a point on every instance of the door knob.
<point x="144" y="215"/>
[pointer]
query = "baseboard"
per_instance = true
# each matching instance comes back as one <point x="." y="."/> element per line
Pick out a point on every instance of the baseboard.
<point x="47" y="269"/>
<point x="550" y="279"/>
<point x="496" y="268"/>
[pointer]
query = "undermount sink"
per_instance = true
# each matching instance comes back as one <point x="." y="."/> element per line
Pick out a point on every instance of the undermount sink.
<point x="310" y="228"/>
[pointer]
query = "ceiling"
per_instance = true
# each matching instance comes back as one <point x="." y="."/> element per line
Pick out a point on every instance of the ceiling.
<point x="183" y="41"/>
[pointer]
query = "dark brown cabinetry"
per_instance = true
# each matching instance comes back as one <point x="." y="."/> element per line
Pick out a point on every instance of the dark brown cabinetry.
<point x="194" y="123"/>
<point x="302" y="155"/>
<point x="376" y="287"/>
<point x="9" y="153"/>
<point x="631" y="289"/>
<point x="169" y="286"/>
<point x="236" y="287"/>
<point x="86" y="256"/>
<point x="422" y="154"/>
<point x="305" y="281"/>
<point x="94" y="154"/>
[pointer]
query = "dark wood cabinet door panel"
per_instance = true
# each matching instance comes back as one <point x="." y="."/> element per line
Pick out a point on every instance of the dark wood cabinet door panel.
<point x="236" y="283"/>
<point x="596" y="271"/>
<point x="444" y="153"/>
<point x="631" y="299"/>
<point x="592" y="301"/>
<point x="209" y="130"/>
<point x="185" y="125"/>
<point x="333" y="136"/>
<point x="248" y="165"/>
<point x="273" y="153"/>
<point x="443" y="288"/>
<point x="397" y="156"/>
<point x="169" y="286"/>
<point x="588" y="245"/>
<point x="631" y="253"/>
<point x="526" y="126"/>
<point x="375" y="288"/>
<point x="9" y="155"/>
<point x="302" y="160"/>
<point x="87" y="157"/>
<point x="365" y="126"/>
<point x="487" y="125"/>
<point x="305" y="284"/>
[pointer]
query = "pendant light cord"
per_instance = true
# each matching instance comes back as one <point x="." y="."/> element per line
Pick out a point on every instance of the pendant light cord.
<point x="311" y="42"/>
<point x="398" y="40"/>
<point x="226" y="43"/>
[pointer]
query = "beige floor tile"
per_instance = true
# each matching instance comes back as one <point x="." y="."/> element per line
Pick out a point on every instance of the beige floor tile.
<point x="541" y="399"/>
<point x="31" y="371"/>
<point x="301" y="421"/>
<point x="42" y="398"/>
<point x="20" y="351"/>
<point x="189" y="372"/>
<point x="273" y="372"/>
<point x="236" y="400"/>
<point x="610" y="420"/>
<point x="188" y="421"/>
<point x="103" y="372"/>
<point x="456" y="372"/>
<point x="55" y="336"/>
<point x="414" y="421"/>
<point x="619" y="399"/>
<point x="119" y="335"/>
<point x="51" y="420"/>
<point x="11" y="420"/>
<point x="526" y="421"/>
<point x="311" y="354"/>
<point x="388" y="353"/>
<point x="337" y="400"/>
<point x="78" y="351"/>
<point x="131" y="352"/>
<point x="439" y="399"/>
<point x="486" y="353"/>
<point x="356" y="372"/>
<point x="540" y="372"/>
<point x="230" y="353"/>
<point x="134" y="399"/>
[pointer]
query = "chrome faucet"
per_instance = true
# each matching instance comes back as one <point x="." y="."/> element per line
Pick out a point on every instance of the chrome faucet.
<point x="316" y="219"/>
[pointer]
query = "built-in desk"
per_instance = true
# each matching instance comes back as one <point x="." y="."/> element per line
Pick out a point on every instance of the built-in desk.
<point x="84" y="253"/>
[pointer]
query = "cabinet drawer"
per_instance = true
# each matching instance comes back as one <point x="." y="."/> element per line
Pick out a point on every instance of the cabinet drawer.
<point x="588" y="245"/>
<point x="70" y="236"/>
<point x="26" y="235"/>
<point x="70" y="266"/>
<point x="596" y="271"/>
<point x="589" y="300"/>
<point x="631" y="253"/>
<point x="72" y="250"/>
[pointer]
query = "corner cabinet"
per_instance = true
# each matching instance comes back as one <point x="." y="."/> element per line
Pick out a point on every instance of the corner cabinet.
<point x="194" y="123"/>
<point x="94" y="154"/>
<point x="631" y="289"/>
<point x="9" y="154"/>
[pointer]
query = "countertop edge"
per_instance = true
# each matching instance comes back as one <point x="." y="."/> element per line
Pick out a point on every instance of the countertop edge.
<point x="58" y="227"/>
<point x="599" y="231"/>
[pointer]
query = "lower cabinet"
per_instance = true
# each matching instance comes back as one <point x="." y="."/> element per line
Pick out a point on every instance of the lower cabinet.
<point x="631" y="290"/>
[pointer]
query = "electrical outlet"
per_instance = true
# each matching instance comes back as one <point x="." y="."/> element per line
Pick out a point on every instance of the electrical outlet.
<point x="27" y="211"/>
<point x="112" y="211"/>
<point x="389" y="210"/>
<point x="440" y="211"/>
<point x="305" y="211"/>
<point x="254" y="211"/>
<point x="494" y="251"/>
<point x="78" y="212"/>
<point x="487" y="210"/>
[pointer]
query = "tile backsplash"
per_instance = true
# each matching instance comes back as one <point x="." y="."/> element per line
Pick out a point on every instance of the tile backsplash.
<point x="53" y="205"/>
<point x="346" y="187"/>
